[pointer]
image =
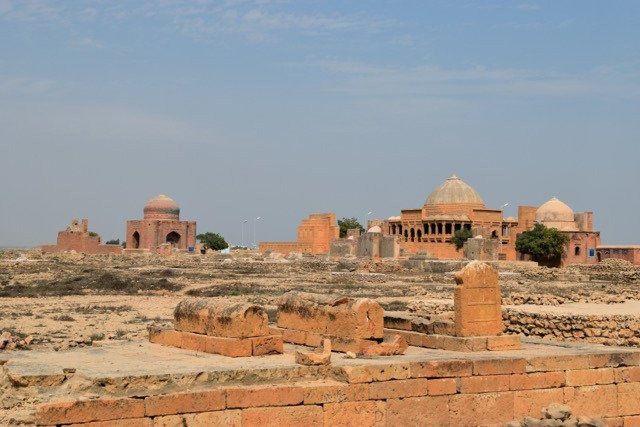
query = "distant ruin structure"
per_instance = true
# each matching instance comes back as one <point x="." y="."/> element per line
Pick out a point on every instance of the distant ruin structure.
<point x="315" y="234"/>
<point x="161" y="229"/>
<point x="76" y="237"/>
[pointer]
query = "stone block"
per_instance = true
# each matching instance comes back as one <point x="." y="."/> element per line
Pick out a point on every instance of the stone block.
<point x="419" y="411"/>
<point x="442" y="386"/>
<point x="627" y="374"/>
<point x="372" y="373"/>
<point x="230" y="347"/>
<point x="180" y="403"/>
<point x="249" y="397"/>
<point x="130" y="422"/>
<point x="484" y="383"/>
<point x="84" y="411"/>
<point x="628" y="399"/>
<point x="581" y="377"/>
<point x="537" y="380"/>
<point x="303" y="415"/>
<point x="367" y="413"/>
<point x="499" y="366"/>
<point x="230" y="418"/>
<point x="503" y="343"/>
<point x="477" y="301"/>
<point x="399" y="389"/>
<point x="451" y="343"/>
<point x="530" y="403"/>
<point x="221" y="318"/>
<point x="441" y="369"/>
<point x="315" y="394"/>
<point x="593" y="401"/>
<point x="271" y="344"/>
<point x="481" y="409"/>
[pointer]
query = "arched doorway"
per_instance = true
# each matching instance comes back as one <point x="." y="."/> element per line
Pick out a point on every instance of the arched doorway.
<point x="599" y="255"/>
<point x="135" y="240"/>
<point x="173" y="238"/>
<point x="413" y="235"/>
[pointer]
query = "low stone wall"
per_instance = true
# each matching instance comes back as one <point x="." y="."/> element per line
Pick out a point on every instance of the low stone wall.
<point x="443" y="392"/>
<point x="609" y="330"/>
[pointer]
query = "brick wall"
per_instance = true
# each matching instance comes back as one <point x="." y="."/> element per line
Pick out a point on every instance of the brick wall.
<point x="436" y="392"/>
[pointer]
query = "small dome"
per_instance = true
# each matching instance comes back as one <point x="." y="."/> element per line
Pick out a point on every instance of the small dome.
<point x="556" y="214"/>
<point x="375" y="229"/>
<point x="161" y="207"/>
<point x="454" y="191"/>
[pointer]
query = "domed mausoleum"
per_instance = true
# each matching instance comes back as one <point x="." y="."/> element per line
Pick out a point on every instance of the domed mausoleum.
<point x="161" y="229"/>
<point x="455" y="205"/>
<point x="556" y="214"/>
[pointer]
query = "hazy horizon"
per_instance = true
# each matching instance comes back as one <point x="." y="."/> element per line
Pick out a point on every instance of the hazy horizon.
<point x="277" y="109"/>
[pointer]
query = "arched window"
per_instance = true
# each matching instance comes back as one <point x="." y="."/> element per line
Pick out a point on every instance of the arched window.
<point x="419" y="235"/>
<point x="173" y="238"/>
<point x="576" y="251"/>
<point x="393" y="229"/>
<point x="135" y="240"/>
<point x="413" y="235"/>
<point x="406" y="235"/>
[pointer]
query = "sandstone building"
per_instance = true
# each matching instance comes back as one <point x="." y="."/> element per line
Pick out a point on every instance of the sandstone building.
<point x="455" y="205"/>
<point x="629" y="253"/>
<point x="315" y="234"/>
<point x="161" y="228"/>
<point x="77" y="238"/>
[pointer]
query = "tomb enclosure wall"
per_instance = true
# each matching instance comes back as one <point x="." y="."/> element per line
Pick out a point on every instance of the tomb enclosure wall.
<point x="443" y="392"/>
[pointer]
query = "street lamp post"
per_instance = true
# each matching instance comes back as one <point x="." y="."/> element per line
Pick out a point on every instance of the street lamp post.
<point x="255" y="224"/>
<point x="242" y="232"/>
<point x="365" y="225"/>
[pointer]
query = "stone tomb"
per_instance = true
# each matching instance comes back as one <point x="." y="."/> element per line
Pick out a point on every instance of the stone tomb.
<point x="234" y="330"/>
<point x="477" y="322"/>
<point x="352" y="324"/>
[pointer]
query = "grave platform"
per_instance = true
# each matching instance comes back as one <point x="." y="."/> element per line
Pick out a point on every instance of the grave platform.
<point x="145" y="384"/>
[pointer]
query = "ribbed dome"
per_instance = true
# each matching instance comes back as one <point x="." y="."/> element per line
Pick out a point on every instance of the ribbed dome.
<point x="454" y="191"/>
<point x="556" y="214"/>
<point x="161" y="207"/>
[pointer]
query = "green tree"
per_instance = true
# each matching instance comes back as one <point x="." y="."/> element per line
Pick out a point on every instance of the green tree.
<point x="113" y="242"/>
<point x="93" y="234"/>
<point x="212" y="241"/>
<point x="348" y="223"/>
<point x="545" y="245"/>
<point x="461" y="236"/>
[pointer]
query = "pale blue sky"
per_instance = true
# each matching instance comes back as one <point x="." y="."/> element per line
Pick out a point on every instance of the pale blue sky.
<point x="277" y="109"/>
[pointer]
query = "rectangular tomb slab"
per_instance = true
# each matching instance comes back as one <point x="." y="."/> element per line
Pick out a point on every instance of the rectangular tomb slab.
<point x="231" y="347"/>
<point x="220" y="318"/>
<point x="360" y="318"/>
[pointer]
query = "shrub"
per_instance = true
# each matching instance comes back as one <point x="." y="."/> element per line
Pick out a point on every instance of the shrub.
<point x="348" y="223"/>
<point x="212" y="241"/>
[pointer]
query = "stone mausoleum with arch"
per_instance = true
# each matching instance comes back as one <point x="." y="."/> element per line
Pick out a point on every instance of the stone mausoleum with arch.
<point x="161" y="228"/>
<point x="455" y="205"/>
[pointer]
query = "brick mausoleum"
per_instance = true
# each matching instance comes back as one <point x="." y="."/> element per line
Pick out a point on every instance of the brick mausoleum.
<point x="314" y="236"/>
<point x="161" y="227"/>
<point x="76" y="237"/>
<point x="455" y="205"/>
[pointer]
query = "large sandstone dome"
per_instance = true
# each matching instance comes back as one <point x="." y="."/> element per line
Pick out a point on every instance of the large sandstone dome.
<point x="161" y="207"/>
<point x="556" y="214"/>
<point x="454" y="191"/>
